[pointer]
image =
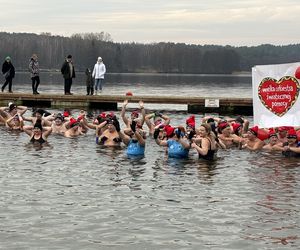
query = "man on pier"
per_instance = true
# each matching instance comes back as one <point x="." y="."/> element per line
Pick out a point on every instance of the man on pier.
<point x="68" y="72"/>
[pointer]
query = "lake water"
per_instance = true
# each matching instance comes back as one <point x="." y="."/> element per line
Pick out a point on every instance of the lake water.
<point x="149" y="84"/>
<point x="74" y="194"/>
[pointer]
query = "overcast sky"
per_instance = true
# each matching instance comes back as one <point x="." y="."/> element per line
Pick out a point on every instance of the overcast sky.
<point x="221" y="22"/>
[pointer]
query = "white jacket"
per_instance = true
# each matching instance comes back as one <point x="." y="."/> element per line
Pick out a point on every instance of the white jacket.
<point x="99" y="71"/>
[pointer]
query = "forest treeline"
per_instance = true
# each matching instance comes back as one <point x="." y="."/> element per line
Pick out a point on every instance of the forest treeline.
<point x="136" y="57"/>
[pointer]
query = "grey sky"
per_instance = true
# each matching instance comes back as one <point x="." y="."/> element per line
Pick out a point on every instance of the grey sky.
<point x="220" y="22"/>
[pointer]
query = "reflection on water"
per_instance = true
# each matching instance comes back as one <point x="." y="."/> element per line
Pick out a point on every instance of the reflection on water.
<point x="74" y="194"/>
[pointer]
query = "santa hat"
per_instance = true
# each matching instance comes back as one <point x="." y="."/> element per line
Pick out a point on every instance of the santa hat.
<point x="190" y="122"/>
<point x="222" y="125"/>
<point x="272" y="132"/>
<point x="73" y="122"/>
<point x="236" y="126"/>
<point x="284" y="128"/>
<point x="169" y="130"/>
<point x="66" y="113"/>
<point x="254" y="130"/>
<point x="292" y="133"/>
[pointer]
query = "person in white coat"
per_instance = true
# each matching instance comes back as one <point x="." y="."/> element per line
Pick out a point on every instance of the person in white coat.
<point x="98" y="75"/>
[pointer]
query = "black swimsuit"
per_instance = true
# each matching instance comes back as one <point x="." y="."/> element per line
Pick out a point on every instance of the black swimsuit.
<point x="210" y="153"/>
<point x="40" y="140"/>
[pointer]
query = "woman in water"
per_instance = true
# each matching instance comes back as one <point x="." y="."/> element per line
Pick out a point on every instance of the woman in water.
<point x="110" y="136"/>
<point x="38" y="134"/>
<point x="15" y="122"/>
<point x="291" y="147"/>
<point x="135" y="141"/>
<point x="225" y="135"/>
<point x="178" y="146"/>
<point x="11" y="111"/>
<point x="205" y="143"/>
<point x="252" y="142"/>
<point x="134" y="116"/>
<point x="159" y="120"/>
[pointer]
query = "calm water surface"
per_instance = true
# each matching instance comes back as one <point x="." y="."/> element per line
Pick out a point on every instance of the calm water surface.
<point x="73" y="194"/>
<point x="148" y="84"/>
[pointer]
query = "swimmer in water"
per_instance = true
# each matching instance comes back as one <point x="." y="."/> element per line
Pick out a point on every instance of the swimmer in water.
<point x="11" y="111"/>
<point x="158" y="120"/>
<point x="135" y="140"/>
<point x="252" y="142"/>
<point x="205" y="143"/>
<point x="138" y="117"/>
<point x="273" y="141"/>
<point x="291" y="148"/>
<point x="178" y="146"/>
<point x="110" y="136"/>
<point x="74" y="129"/>
<point x="15" y="123"/>
<point x="38" y="134"/>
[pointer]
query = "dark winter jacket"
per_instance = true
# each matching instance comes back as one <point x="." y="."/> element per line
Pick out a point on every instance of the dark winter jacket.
<point x="8" y="67"/>
<point x="65" y="70"/>
<point x="89" y="78"/>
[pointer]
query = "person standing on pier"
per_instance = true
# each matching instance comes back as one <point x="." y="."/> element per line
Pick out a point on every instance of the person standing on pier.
<point x="89" y="82"/>
<point x="34" y="70"/>
<point x="8" y="71"/>
<point x="98" y="74"/>
<point x="68" y="72"/>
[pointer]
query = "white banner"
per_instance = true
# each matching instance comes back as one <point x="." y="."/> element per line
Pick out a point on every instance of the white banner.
<point x="275" y="95"/>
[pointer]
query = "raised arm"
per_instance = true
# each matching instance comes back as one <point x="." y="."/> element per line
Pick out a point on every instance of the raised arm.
<point x="124" y="118"/>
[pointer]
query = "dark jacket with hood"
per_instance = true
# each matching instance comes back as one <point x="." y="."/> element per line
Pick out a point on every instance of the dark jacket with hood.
<point x="8" y="67"/>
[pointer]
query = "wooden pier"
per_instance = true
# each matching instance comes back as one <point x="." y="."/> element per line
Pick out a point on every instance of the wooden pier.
<point x="110" y="102"/>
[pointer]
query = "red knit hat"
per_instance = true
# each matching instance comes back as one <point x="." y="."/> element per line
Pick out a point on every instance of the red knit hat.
<point x="73" y="122"/>
<point x="190" y="122"/>
<point x="66" y="113"/>
<point x="222" y="125"/>
<point x="169" y="130"/>
<point x="272" y="132"/>
<point x="292" y="133"/>
<point x="284" y="128"/>
<point x="236" y="126"/>
<point x="254" y="130"/>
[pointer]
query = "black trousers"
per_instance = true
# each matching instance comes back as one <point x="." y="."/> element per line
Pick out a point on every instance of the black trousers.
<point x="68" y="84"/>
<point x="8" y="82"/>
<point x="35" y="83"/>
<point x="90" y="89"/>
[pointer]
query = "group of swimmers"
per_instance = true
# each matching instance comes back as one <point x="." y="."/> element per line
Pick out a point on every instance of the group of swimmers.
<point x="206" y="139"/>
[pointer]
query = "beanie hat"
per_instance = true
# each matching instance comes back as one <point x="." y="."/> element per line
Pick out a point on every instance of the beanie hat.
<point x="73" y="122"/>
<point x="272" y="132"/>
<point x="292" y="133"/>
<point x="222" y="125"/>
<point x="7" y="58"/>
<point x="254" y="130"/>
<point x="190" y="122"/>
<point x="169" y="130"/>
<point x="236" y="126"/>
<point x="66" y="113"/>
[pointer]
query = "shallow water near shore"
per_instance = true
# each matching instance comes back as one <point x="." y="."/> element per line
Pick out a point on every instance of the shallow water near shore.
<point x="74" y="194"/>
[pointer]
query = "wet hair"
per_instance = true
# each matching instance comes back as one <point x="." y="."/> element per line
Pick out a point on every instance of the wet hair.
<point x="207" y="127"/>
<point x="38" y="124"/>
<point x="12" y="106"/>
<point x="60" y="117"/>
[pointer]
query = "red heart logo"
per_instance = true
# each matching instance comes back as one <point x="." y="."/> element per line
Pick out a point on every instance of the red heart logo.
<point x="278" y="96"/>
